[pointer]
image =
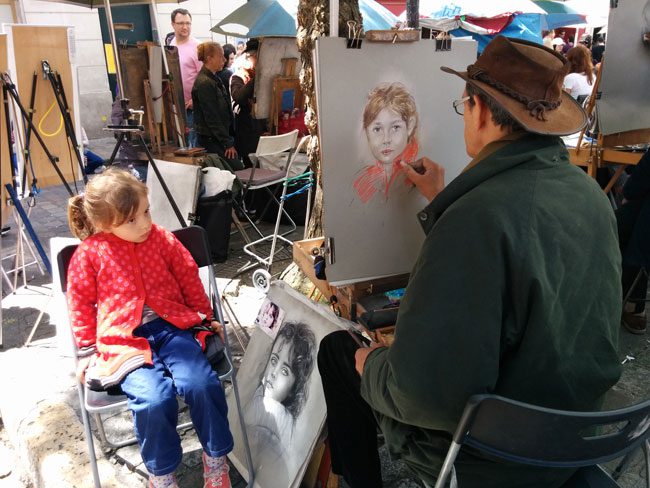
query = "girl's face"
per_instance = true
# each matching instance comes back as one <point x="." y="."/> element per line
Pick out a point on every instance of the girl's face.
<point x="268" y="316"/>
<point x="388" y="135"/>
<point x="279" y="378"/>
<point x="138" y="227"/>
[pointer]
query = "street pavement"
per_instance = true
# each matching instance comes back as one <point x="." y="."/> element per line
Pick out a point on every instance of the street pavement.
<point x="41" y="436"/>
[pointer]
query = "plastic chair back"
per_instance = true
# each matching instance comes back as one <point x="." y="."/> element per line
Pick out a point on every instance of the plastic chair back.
<point x="269" y="145"/>
<point x="527" y="434"/>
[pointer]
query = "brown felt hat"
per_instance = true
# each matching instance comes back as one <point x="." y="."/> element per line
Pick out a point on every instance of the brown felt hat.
<point x="525" y="79"/>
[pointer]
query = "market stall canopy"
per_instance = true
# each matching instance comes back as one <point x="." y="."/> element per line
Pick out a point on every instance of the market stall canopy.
<point x="559" y="14"/>
<point x="114" y="3"/>
<point x="596" y="11"/>
<point x="445" y="9"/>
<point x="262" y="18"/>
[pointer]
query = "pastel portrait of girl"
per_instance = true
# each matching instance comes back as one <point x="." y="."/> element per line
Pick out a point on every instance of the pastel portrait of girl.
<point x="390" y="123"/>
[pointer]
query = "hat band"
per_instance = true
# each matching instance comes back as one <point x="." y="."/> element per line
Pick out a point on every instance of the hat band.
<point x="536" y="108"/>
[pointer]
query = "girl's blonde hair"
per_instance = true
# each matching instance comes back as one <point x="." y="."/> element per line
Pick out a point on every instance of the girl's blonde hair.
<point x="395" y="97"/>
<point x="206" y="49"/>
<point x="110" y="200"/>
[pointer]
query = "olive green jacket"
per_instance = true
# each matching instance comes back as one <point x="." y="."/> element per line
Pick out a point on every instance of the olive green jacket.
<point x="517" y="292"/>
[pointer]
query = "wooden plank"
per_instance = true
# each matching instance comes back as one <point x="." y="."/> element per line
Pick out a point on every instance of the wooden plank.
<point x="641" y="136"/>
<point x="620" y="157"/>
<point x="32" y="45"/>
<point x="5" y="167"/>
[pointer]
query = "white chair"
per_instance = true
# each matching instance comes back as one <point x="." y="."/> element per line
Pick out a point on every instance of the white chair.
<point x="259" y="178"/>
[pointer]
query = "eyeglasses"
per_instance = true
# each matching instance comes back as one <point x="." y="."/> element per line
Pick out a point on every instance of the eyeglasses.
<point x="183" y="24"/>
<point x="459" y="105"/>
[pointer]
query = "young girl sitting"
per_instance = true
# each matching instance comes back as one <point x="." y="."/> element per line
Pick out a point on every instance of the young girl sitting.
<point x="390" y="121"/>
<point x="133" y="294"/>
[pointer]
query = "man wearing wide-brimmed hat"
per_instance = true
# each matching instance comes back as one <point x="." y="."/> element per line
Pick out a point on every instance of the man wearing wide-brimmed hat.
<point x="516" y="290"/>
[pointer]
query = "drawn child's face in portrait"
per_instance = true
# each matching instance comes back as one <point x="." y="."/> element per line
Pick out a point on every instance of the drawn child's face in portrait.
<point x="268" y="316"/>
<point x="279" y="378"/>
<point x="388" y="135"/>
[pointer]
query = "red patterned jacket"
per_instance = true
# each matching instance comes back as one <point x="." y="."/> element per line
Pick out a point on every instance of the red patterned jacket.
<point x="110" y="280"/>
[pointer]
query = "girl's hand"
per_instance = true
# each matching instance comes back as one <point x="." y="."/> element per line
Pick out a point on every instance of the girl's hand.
<point x="427" y="176"/>
<point x="82" y="366"/>
<point x="218" y="328"/>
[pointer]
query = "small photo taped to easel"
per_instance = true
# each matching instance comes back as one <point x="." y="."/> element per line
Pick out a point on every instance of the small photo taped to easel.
<point x="269" y="318"/>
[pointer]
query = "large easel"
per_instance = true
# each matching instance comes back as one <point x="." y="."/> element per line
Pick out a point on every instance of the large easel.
<point x="606" y="149"/>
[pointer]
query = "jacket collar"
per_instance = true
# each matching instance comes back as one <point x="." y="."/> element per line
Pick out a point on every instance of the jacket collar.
<point x="507" y="156"/>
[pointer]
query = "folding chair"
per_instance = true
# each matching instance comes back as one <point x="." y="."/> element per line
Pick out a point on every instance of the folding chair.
<point x="195" y="240"/>
<point x="257" y="178"/>
<point x="526" y="434"/>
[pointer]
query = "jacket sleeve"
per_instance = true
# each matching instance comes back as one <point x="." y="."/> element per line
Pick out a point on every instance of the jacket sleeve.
<point x="448" y="331"/>
<point x="637" y="185"/>
<point x="216" y="115"/>
<point x="82" y="298"/>
<point x="186" y="271"/>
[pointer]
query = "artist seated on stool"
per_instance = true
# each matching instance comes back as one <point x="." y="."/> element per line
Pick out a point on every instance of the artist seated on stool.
<point x="503" y="297"/>
<point x="213" y="117"/>
<point x="633" y="218"/>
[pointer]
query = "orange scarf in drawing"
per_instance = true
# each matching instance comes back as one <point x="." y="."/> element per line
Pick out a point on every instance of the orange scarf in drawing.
<point x="378" y="178"/>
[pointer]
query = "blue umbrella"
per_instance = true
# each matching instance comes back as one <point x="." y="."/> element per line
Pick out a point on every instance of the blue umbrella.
<point x="261" y="18"/>
<point x="558" y="14"/>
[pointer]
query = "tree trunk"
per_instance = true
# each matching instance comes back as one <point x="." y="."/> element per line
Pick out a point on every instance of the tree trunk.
<point x="313" y="22"/>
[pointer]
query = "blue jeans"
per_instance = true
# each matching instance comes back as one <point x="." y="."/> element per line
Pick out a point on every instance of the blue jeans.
<point x="179" y="367"/>
<point x="191" y="136"/>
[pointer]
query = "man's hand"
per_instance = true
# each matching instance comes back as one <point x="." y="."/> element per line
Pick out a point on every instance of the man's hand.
<point x="231" y="153"/>
<point x="427" y="176"/>
<point x="218" y="328"/>
<point x="361" y="355"/>
<point x="189" y="105"/>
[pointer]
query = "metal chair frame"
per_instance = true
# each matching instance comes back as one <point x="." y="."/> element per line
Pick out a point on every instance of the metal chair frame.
<point x="527" y="434"/>
<point x="195" y="239"/>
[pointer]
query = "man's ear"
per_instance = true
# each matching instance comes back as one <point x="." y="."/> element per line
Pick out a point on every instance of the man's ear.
<point x="484" y="115"/>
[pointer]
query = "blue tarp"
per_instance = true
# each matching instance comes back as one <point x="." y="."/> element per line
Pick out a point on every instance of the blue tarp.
<point x="524" y="26"/>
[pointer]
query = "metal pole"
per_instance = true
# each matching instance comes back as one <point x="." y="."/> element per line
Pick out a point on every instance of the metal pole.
<point x="166" y="65"/>
<point x="111" y="31"/>
<point x="334" y="18"/>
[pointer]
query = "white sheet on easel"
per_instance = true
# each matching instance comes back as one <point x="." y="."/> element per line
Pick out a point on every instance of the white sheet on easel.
<point x="383" y="236"/>
<point x="155" y="82"/>
<point x="183" y="181"/>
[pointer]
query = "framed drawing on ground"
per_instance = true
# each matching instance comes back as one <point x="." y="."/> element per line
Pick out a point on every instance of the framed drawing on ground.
<point x="280" y="389"/>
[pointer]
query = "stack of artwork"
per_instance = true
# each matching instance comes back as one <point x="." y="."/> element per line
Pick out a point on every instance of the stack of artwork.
<point x="280" y="388"/>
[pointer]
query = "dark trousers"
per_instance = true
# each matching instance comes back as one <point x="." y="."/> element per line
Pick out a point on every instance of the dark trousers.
<point x="626" y="217"/>
<point x="351" y="425"/>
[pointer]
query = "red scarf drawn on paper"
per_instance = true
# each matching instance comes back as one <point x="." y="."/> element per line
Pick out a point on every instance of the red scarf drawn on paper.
<point x="375" y="177"/>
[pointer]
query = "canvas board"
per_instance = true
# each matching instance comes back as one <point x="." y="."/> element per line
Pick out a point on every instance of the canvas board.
<point x="28" y="46"/>
<point x="624" y="104"/>
<point x="269" y="65"/>
<point x="375" y="232"/>
<point x="283" y="422"/>
<point x="183" y="181"/>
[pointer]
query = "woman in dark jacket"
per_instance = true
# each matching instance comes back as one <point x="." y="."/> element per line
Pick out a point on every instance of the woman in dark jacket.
<point x="633" y="219"/>
<point x="242" y="90"/>
<point x="213" y="117"/>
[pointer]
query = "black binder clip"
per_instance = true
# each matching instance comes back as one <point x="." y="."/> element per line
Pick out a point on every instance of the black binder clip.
<point x="354" y="35"/>
<point x="443" y="41"/>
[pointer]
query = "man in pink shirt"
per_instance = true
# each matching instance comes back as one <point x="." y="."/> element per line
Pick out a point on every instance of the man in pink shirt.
<point x="190" y="64"/>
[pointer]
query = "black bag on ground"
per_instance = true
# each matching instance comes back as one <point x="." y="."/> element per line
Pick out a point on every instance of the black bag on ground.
<point x="214" y="215"/>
